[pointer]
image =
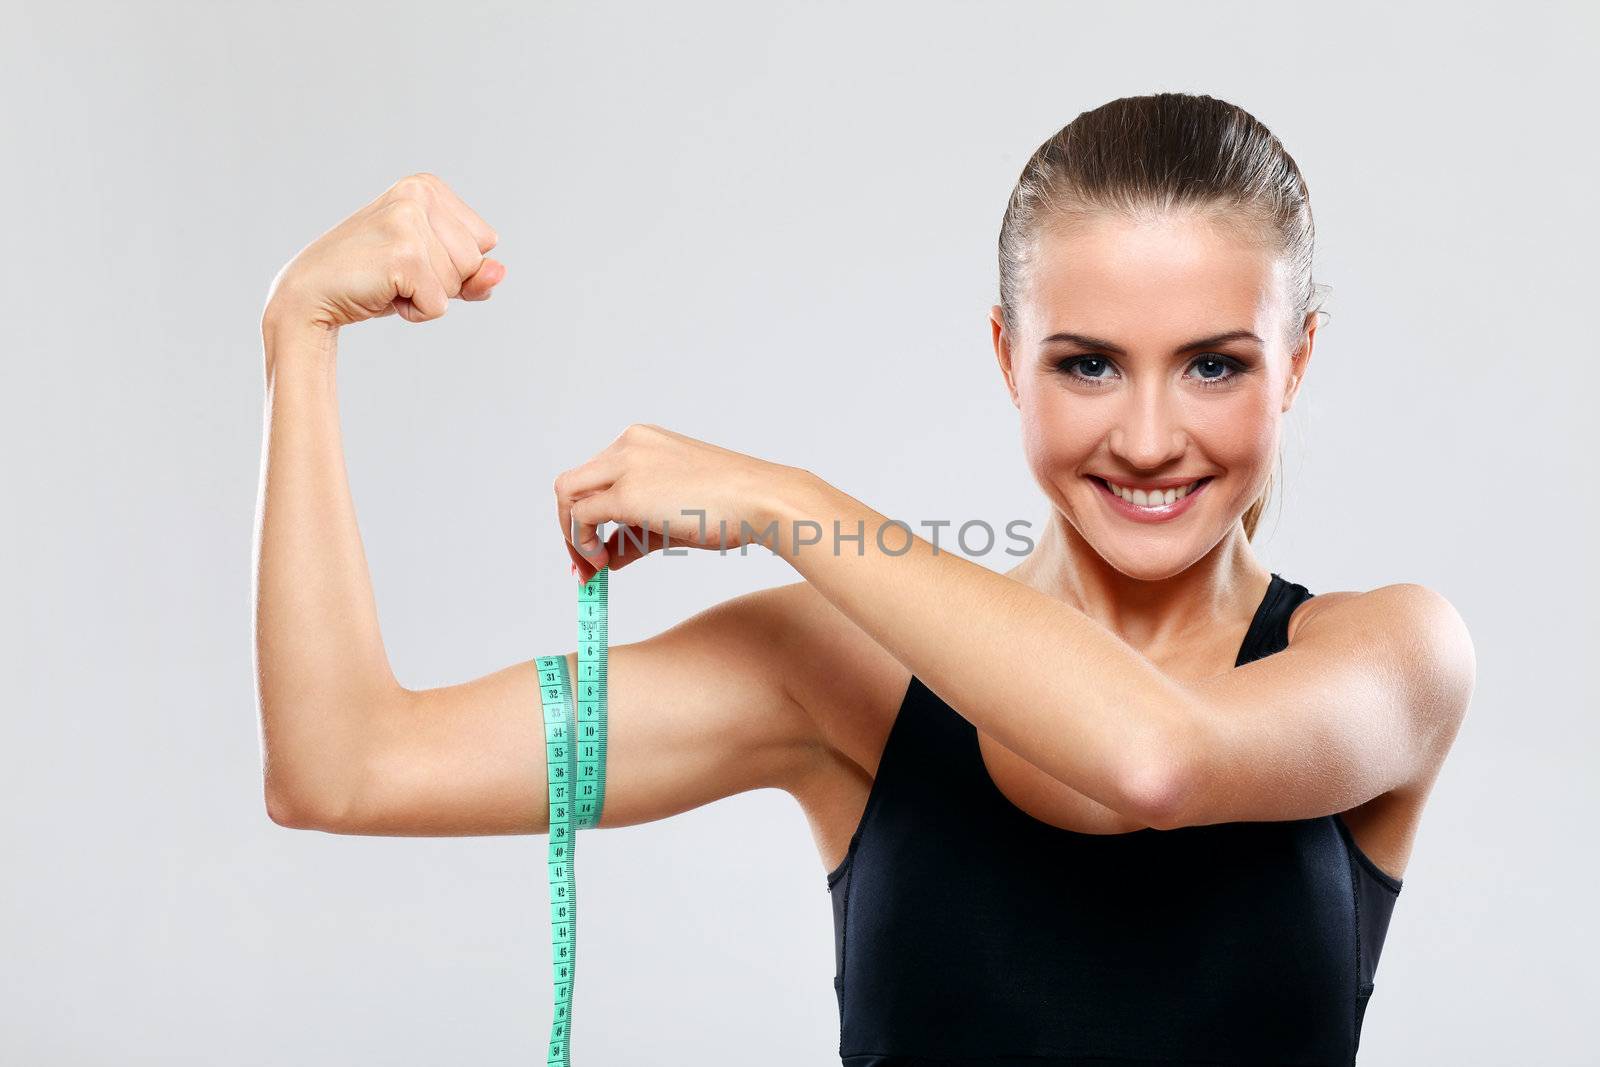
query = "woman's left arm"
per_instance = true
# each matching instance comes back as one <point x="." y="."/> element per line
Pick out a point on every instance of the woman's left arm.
<point x="1365" y="699"/>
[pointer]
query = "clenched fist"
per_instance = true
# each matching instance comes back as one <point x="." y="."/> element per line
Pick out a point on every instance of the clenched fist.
<point x="408" y="253"/>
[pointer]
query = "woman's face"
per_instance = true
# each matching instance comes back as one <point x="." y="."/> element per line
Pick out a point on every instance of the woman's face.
<point x="1151" y="354"/>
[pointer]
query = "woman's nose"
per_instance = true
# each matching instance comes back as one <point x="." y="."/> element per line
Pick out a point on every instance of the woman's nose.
<point x="1149" y="430"/>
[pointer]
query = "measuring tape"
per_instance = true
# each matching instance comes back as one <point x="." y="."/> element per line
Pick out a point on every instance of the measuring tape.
<point x="575" y="756"/>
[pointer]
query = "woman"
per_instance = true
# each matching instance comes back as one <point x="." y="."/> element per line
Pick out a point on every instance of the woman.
<point x="1171" y="828"/>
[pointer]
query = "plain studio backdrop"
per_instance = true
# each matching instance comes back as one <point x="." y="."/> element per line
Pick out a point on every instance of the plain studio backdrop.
<point x="772" y="228"/>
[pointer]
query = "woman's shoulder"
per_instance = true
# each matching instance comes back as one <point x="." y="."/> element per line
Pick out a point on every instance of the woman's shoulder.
<point x="1415" y="637"/>
<point x="1418" y="623"/>
<point x="1399" y="606"/>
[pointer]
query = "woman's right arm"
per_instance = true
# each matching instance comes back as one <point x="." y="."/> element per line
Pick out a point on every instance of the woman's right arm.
<point x="694" y="714"/>
<point x="699" y="712"/>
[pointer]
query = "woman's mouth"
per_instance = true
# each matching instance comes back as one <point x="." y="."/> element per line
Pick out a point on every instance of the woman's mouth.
<point x="1159" y="505"/>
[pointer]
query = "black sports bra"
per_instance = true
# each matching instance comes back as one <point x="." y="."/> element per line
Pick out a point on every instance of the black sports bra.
<point x="968" y="931"/>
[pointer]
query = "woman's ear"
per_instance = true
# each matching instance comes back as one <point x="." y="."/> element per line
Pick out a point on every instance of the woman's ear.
<point x="1002" y="351"/>
<point x="1299" y="360"/>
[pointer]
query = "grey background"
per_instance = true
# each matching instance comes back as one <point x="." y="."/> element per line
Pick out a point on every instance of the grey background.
<point x="771" y="228"/>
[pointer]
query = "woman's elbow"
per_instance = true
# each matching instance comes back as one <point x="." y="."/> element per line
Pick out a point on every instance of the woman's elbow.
<point x="1154" y="795"/>
<point x="299" y="800"/>
<point x="297" y="812"/>
<point x="1158" y="789"/>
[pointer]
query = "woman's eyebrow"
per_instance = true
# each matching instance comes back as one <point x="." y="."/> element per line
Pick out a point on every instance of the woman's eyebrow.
<point x="1204" y="342"/>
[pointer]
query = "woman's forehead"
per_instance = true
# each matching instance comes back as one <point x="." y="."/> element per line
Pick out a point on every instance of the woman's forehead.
<point x="1143" y="281"/>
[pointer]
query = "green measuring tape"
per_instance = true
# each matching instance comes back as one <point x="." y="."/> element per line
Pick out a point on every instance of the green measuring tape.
<point x="575" y="756"/>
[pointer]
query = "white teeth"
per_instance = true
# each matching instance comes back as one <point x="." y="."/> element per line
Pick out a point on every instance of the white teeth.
<point x="1154" y="498"/>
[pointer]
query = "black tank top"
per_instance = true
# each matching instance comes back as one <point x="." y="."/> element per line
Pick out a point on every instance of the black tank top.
<point x="967" y="930"/>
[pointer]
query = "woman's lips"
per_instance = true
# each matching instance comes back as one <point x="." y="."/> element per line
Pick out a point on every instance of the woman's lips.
<point x="1158" y="514"/>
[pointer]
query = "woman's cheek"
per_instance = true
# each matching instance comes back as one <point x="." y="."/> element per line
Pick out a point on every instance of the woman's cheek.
<point x="1058" y="437"/>
<point x="1240" y="438"/>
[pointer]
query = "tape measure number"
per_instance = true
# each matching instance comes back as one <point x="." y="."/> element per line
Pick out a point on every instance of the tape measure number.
<point x="575" y="758"/>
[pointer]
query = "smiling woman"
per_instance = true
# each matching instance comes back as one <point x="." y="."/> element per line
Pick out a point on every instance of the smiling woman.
<point x="1156" y="322"/>
<point x="1171" y="829"/>
<point x="1165" y="343"/>
<point x="1145" y="219"/>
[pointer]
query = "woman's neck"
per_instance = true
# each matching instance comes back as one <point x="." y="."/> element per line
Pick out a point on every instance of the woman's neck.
<point x="1221" y="588"/>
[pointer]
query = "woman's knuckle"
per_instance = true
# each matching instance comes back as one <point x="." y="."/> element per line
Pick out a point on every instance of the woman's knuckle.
<point x="407" y="213"/>
<point x="418" y="185"/>
<point x="408" y="252"/>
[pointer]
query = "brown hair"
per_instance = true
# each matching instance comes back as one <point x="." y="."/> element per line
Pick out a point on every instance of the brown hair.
<point x="1144" y="155"/>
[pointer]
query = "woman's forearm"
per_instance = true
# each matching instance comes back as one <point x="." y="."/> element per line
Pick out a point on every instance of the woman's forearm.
<point x="1035" y="674"/>
<point x="321" y="668"/>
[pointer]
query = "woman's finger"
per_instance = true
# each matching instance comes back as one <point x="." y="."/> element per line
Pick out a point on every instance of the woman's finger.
<point x="437" y="262"/>
<point x="439" y="258"/>
<point x="459" y="245"/>
<point x="587" y="514"/>
<point x="420" y="294"/>
<point x="629" y="543"/>
<point x="592" y="477"/>
<point x="483" y="234"/>
<point x="481" y="285"/>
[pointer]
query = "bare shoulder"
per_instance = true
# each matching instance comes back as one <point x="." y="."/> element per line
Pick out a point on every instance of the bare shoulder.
<point x="1420" y="634"/>
<point x="1415" y="627"/>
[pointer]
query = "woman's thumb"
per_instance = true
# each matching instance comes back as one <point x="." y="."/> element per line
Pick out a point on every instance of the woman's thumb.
<point x="480" y="285"/>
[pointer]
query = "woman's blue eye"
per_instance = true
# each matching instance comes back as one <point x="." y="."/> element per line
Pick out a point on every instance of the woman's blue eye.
<point x="1067" y="365"/>
<point x="1218" y="362"/>
<point x="1216" y="369"/>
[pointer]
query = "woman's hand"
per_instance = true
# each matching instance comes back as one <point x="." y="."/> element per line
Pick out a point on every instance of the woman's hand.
<point x="408" y="253"/>
<point x="654" y="484"/>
